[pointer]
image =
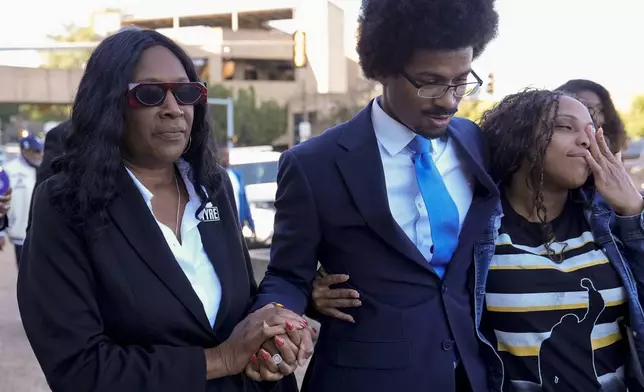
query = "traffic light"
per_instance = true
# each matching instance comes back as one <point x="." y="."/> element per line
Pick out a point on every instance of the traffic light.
<point x="490" y="83"/>
<point x="299" y="49"/>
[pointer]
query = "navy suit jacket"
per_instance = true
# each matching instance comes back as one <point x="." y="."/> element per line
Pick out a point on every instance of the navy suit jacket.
<point x="332" y="207"/>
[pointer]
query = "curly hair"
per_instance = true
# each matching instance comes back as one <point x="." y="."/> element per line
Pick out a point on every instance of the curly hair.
<point x="390" y="31"/>
<point x="613" y="126"/>
<point x="88" y="172"/>
<point x="519" y="128"/>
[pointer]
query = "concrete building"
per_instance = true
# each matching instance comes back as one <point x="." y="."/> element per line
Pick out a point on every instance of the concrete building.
<point x="232" y="44"/>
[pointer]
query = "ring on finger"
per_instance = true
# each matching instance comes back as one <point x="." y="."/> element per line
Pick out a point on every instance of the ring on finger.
<point x="277" y="359"/>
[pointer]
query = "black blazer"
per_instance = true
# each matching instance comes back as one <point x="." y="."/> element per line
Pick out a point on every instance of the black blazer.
<point x="117" y="313"/>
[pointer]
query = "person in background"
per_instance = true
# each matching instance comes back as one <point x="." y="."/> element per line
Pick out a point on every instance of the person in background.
<point x="601" y="106"/>
<point x="54" y="147"/>
<point x="237" y="181"/>
<point x="22" y="178"/>
<point x="134" y="274"/>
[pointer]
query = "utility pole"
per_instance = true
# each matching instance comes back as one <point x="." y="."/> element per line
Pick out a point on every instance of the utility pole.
<point x="230" y="118"/>
<point x="302" y="130"/>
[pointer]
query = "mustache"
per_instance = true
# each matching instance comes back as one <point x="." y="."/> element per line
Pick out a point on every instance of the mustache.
<point x="439" y="112"/>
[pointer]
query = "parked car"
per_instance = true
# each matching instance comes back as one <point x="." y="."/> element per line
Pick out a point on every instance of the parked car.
<point x="258" y="167"/>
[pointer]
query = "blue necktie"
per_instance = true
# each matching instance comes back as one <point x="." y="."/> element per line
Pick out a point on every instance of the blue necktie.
<point x="441" y="209"/>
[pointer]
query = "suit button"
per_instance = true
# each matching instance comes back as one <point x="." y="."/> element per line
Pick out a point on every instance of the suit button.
<point x="448" y="345"/>
<point x="444" y="288"/>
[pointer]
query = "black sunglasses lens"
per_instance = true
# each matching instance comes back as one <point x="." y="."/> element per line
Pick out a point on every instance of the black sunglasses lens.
<point x="187" y="94"/>
<point x="150" y="95"/>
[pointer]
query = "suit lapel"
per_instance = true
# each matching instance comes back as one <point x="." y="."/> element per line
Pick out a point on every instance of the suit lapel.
<point x="133" y="218"/>
<point x="217" y="247"/>
<point x="472" y="152"/>
<point x="362" y="170"/>
<point x="467" y="140"/>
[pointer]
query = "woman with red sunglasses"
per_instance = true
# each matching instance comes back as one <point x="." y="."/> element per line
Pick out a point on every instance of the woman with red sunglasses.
<point x="135" y="276"/>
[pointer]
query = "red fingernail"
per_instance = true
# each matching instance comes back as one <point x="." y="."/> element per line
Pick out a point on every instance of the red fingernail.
<point x="279" y="341"/>
<point x="264" y="354"/>
<point x="289" y="326"/>
<point x="305" y="322"/>
<point x="253" y="359"/>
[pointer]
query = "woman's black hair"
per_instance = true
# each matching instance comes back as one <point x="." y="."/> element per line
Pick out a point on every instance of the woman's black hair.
<point x="391" y="31"/>
<point x="613" y="125"/>
<point x="520" y="128"/>
<point x="88" y="172"/>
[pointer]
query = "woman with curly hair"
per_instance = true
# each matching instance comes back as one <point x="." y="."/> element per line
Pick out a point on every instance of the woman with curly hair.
<point x="560" y="272"/>
<point x="134" y="275"/>
<point x="557" y="275"/>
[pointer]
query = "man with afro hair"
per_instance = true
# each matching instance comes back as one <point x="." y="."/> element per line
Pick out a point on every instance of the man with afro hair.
<point x="394" y="199"/>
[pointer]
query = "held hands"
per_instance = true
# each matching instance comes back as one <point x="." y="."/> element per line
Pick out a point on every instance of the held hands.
<point x="611" y="179"/>
<point x="296" y="346"/>
<point x="281" y="355"/>
<point x="232" y="356"/>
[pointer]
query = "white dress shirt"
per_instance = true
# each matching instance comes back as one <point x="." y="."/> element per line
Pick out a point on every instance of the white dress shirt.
<point x="405" y="201"/>
<point x="190" y="253"/>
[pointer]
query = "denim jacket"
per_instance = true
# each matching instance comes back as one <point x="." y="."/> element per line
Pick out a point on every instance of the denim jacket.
<point x="620" y="238"/>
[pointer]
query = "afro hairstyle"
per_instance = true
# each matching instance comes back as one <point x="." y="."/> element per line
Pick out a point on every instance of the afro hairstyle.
<point x="391" y="31"/>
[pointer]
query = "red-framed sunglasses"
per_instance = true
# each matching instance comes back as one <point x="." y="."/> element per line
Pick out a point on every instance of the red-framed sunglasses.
<point x="153" y="94"/>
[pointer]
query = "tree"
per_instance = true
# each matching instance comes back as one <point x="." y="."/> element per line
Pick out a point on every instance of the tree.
<point x="44" y="113"/>
<point x="340" y="112"/>
<point x="634" y="119"/>
<point x="67" y="59"/>
<point x="473" y="109"/>
<point x="345" y="106"/>
<point x="71" y="59"/>
<point x="218" y="112"/>
<point x="256" y="123"/>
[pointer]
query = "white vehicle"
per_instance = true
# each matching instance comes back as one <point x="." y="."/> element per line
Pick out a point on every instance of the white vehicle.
<point x="258" y="168"/>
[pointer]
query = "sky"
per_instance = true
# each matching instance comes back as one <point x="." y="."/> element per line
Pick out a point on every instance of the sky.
<point x="541" y="43"/>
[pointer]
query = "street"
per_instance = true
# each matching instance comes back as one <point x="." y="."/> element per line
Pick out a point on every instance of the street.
<point x="19" y="370"/>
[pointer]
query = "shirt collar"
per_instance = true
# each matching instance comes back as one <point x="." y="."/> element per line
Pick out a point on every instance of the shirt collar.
<point x="391" y="134"/>
<point x="193" y="201"/>
<point x="394" y="136"/>
<point x="145" y="192"/>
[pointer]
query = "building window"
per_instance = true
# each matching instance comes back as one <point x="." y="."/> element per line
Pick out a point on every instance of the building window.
<point x="274" y="70"/>
<point x="228" y="70"/>
<point x="250" y="73"/>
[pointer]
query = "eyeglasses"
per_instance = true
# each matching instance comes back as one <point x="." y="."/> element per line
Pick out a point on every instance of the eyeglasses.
<point x="437" y="90"/>
<point x="153" y="94"/>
